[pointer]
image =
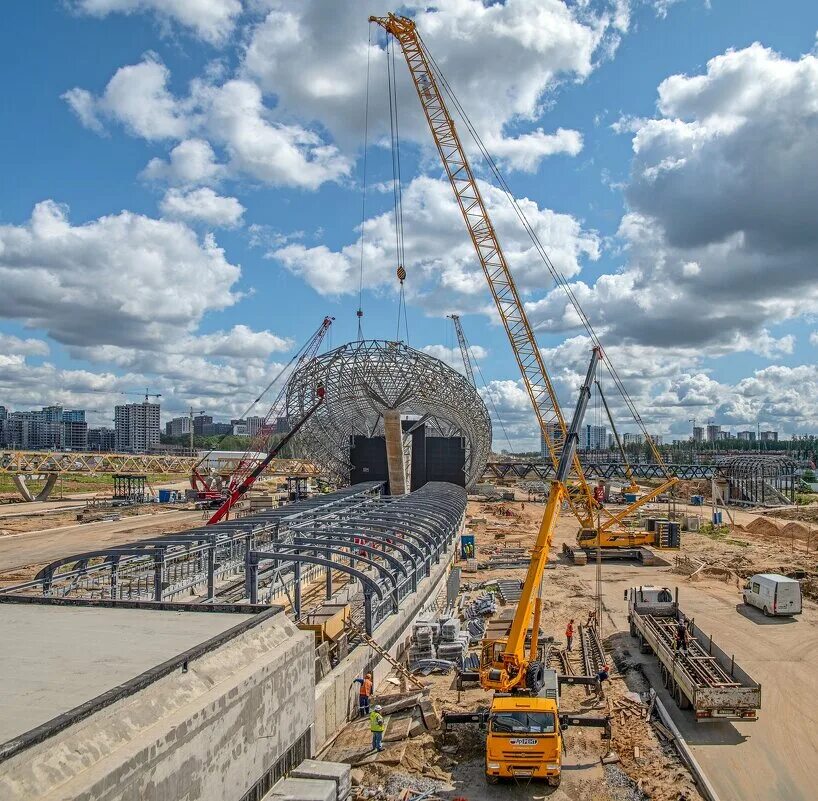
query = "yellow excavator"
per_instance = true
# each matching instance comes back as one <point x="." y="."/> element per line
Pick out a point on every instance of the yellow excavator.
<point x="524" y="721"/>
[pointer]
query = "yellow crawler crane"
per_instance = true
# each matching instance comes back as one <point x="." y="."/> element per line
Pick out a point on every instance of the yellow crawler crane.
<point x="506" y="667"/>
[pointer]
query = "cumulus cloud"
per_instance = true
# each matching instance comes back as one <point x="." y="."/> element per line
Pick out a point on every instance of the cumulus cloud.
<point x="204" y="205"/>
<point x="453" y="357"/>
<point x="232" y="115"/>
<point x="443" y="273"/>
<point x="318" y="72"/>
<point x="210" y="20"/>
<point x="108" y="281"/>
<point x="192" y="161"/>
<point x="14" y="346"/>
<point x="137" y="96"/>
<point x="719" y="241"/>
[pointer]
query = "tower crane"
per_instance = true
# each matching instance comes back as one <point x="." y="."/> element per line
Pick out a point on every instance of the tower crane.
<point x="506" y="666"/>
<point x="464" y="348"/>
<point x="146" y="393"/>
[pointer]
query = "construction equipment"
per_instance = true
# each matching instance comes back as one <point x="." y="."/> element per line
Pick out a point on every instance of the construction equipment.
<point x="632" y="486"/>
<point x="146" y="393"/>
<point x="247" y="470"/>
<point x="700" y="676"/>
<point x="464" y="348"/>
<point x="428" y="79"/>
<point x="237" y="490"/>
<point x="505" y="665"/>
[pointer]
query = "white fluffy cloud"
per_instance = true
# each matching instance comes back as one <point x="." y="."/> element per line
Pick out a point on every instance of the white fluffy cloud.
<point x="720" y="241"/>
<point x="318" y="71"/>
<point x="192" y="161"/>
<point x="211" y="20"/>
<point x="232" y="115"/>
<point x="443" y="273"/>
<point x="137" y="96"/>
<point x="123" y="279"/>
<point x="454" y="358"/>
<point x="204" y="205"/>
<point x="14" y="346"/>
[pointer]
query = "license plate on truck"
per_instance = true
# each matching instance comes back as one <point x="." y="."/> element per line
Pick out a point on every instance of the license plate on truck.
<point x="524" y="772"/>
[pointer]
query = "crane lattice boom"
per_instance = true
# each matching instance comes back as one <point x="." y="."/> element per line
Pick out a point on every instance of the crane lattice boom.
<point x="490" y="254"/>
<point x="464" y="348"/>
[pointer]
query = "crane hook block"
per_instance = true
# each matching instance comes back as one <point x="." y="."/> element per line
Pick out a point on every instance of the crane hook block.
<point x="401" y="273"/>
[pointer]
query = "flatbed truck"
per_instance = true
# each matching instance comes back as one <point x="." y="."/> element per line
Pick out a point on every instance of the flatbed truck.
<point x="702" y="678"/>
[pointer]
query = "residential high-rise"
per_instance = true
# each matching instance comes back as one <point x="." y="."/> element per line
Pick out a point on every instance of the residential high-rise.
<point x="698" y="433"/>
<point x="199" y="422"/>
<point x="101" y="439"/>
<point x="769" y="436"/>
<point x="632" y="439"/>
<point x="136" y="426"/>
<point x="254" y="425"/>
<point x="554" y="434"/>
<point x="593" y="438"/>
<point x="178" y="427"/>
<point x="713" y="432"/>
<point x="746" y="436"/>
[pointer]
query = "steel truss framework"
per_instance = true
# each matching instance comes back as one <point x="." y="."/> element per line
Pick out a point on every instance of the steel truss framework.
<point x="759" y="480"/>
<point x="51" y="462"/>
<point x="364" y="379"/>
<point x="606" y="470"/>
<point x="387" y="544"/>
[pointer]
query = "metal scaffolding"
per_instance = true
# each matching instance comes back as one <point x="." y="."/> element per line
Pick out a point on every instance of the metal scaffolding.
<point x="367" y="379"/>
<point x="385" y="544"/>
<point x="758" y="480"/>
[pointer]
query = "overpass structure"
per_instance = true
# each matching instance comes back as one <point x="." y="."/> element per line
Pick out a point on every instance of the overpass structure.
<point x="47" y="466"/>
<point x="601" y="470"/>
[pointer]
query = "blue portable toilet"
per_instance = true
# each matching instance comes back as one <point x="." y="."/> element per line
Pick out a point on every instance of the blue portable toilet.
<point x="164" y="495"/>
<point x="716" y="518"/>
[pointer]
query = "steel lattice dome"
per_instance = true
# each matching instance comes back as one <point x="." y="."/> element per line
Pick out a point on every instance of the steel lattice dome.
<point x="365" y="378"/>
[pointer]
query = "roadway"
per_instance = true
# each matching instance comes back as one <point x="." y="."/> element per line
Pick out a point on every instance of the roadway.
<point x="45" y="545"/>
<point x="774" y="757"/>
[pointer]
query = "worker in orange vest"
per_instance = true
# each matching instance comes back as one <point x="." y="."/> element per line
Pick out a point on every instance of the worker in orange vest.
<point x="569" y="633"/>
<point x="364" y="693"/>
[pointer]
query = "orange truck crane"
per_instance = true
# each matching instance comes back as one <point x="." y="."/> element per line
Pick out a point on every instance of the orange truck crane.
<point x="524" y="720"/>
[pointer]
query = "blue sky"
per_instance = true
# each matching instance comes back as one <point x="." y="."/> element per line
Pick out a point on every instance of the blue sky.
<point x="181" y="202"/>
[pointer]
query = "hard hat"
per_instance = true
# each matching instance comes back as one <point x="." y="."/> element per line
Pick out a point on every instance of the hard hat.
<point x="378" y="707"/>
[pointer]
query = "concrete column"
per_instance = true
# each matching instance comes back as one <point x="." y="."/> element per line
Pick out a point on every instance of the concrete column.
<point x="20" y="483"/>
<point x="158" y="574"/>
<point x="211" y="570"/>
<point x="395" y="455"/>
<point x="297" y="589"/>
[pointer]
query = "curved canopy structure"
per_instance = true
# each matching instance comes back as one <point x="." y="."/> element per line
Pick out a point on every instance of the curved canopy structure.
<point x="757" y="479"/>
<point x="366" y="380"/>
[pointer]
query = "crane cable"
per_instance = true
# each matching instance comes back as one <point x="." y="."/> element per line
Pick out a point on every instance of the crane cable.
<point x="559" y="279"/>
<point x="397" y="191"/>
<point x="360" y="312"/>
<point x="491" y="398"/>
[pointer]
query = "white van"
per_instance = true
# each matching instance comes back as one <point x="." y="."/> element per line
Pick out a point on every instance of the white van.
<point x="773" y="594"/>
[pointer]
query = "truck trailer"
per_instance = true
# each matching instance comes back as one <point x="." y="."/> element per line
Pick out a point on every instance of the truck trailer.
<point x="696" y="672"/>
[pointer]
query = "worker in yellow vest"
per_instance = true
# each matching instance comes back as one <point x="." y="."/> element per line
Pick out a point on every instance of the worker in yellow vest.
<point x="376" y="726"/>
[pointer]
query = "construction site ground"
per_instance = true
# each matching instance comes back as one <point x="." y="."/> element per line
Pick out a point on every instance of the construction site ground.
<point x="772" y="758"/>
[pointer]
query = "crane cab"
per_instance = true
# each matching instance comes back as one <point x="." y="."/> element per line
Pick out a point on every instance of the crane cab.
<point x="524" y="739"/>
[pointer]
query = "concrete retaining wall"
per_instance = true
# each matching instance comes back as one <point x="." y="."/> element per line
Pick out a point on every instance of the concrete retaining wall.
<point x="334" y="693"/>
<point x="205" y="732"/>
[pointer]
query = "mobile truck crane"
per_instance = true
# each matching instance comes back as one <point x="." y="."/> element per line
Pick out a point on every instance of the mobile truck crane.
<point x="524" y="736"/>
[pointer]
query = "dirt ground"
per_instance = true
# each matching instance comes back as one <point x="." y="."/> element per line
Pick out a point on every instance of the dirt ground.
<point x="451" y="766"/>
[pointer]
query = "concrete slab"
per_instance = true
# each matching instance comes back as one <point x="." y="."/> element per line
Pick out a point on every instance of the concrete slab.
<point x="55" y="658"/>
<point x="291" y="789"/>
<point x="338" y="772"/>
